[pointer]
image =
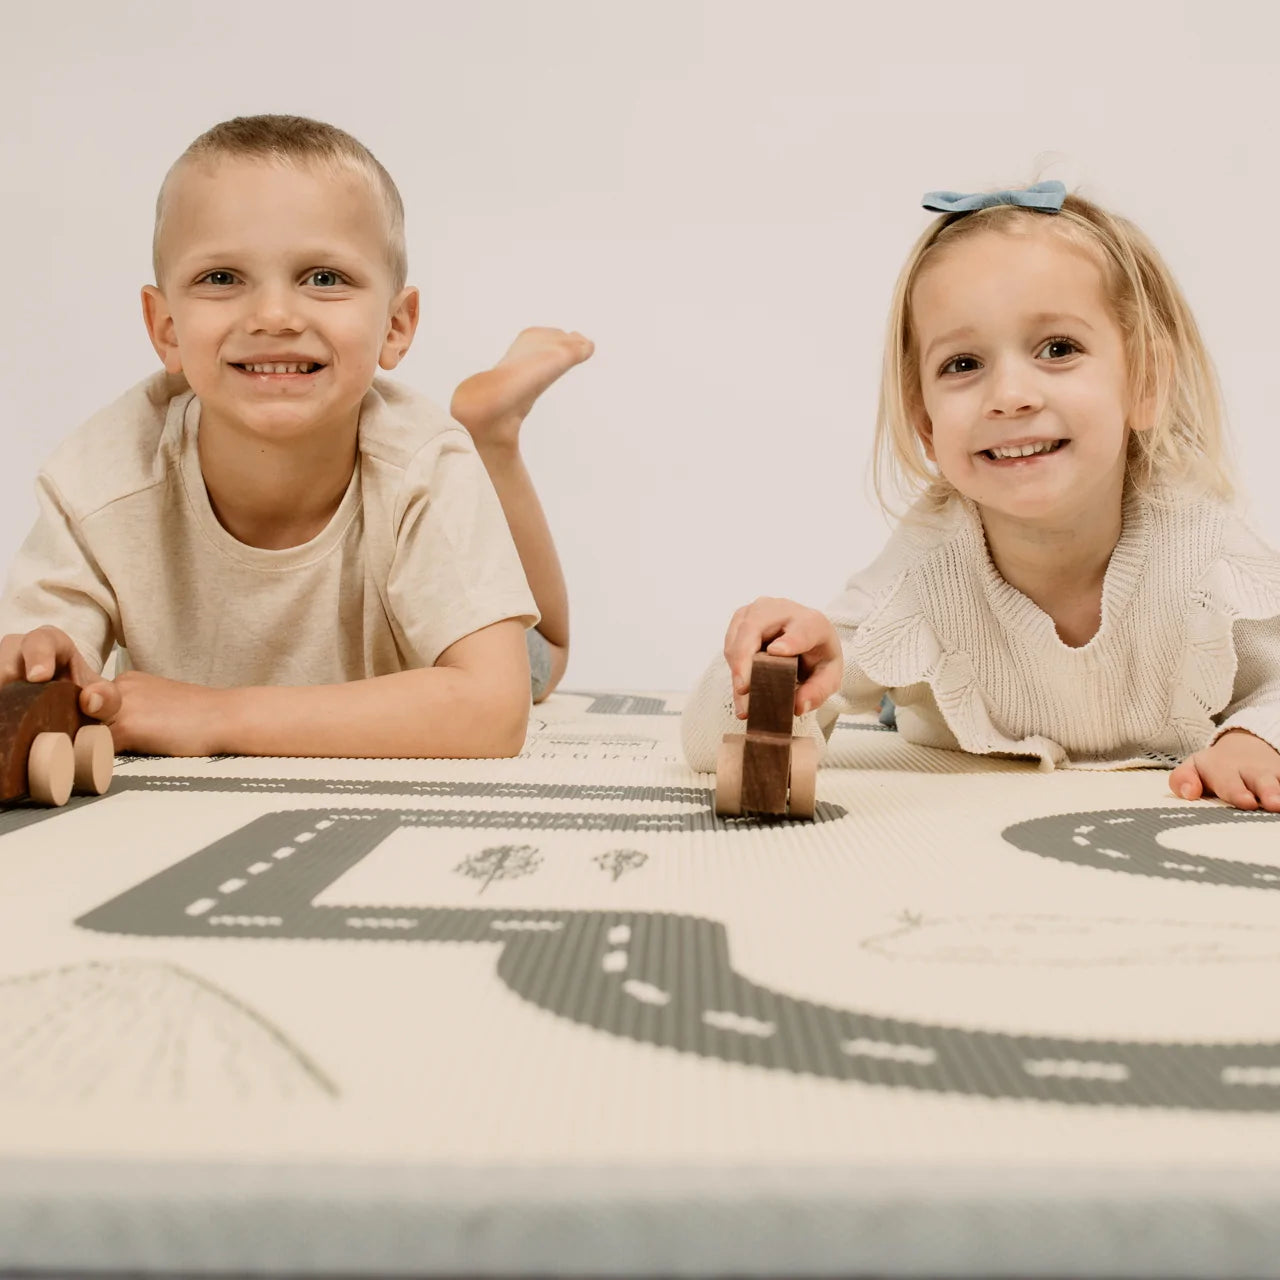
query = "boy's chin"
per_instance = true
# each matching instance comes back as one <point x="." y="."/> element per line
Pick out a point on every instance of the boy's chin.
<point x="277" y="419"/>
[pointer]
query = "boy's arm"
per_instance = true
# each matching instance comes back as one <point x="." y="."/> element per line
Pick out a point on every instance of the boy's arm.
<point x="55" y="581"/>
<point x="473" y="703"/>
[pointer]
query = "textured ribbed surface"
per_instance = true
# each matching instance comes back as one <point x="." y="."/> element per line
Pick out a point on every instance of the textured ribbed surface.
<point x="552" y="1015"/>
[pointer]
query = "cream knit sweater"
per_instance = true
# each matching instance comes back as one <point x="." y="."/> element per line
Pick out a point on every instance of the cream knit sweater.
<point x="1189" y="646"/>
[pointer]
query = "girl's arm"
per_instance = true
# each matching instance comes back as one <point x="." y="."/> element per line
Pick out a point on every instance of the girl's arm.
<point x="1242" y="765"/>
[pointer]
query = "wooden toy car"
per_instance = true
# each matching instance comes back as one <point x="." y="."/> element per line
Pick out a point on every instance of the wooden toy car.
<point x="48" y="747"/>
<point x="767" y="769"/>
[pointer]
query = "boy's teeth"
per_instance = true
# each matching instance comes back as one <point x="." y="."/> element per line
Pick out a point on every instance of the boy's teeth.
<point x="1025" y="450"/>
<point x="280" y="368"/>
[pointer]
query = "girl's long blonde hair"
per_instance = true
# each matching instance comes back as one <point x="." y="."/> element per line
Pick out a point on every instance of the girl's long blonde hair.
<point x="1170" y="371"/>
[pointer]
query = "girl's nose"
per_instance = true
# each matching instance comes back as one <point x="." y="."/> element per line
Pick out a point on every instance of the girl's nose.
<point x="1011" y="393"/>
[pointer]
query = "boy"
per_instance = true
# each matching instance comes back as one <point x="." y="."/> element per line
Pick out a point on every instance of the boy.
<point x="294" y="558"/>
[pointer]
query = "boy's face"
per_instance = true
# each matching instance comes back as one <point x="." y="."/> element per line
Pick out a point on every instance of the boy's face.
<point x="277" y="265"/>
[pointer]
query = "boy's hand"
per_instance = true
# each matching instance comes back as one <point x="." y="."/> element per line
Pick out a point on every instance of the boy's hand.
<point x="166" y="717"/>
<point x="1239" y="768"/>
<point x="791" y="630"/>
<point x="46" y="653"/>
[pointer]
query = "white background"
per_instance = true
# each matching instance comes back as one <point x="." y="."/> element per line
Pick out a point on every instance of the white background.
<point x="719" y="194"/>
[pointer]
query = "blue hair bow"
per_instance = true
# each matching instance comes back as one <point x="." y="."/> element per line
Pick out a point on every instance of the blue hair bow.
<point x="1045" y="196"/>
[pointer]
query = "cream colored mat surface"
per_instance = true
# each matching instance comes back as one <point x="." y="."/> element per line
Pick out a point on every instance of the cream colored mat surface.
<point x="550" y="1015"/>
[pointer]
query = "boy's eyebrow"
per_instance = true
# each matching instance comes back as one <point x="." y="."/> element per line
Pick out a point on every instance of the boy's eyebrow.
<point x="312" y="254"/>
<point x="1040" y="317"/>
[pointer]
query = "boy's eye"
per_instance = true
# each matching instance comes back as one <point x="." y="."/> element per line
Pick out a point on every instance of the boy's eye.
<point x="222" y="278"/>
<point x="960" y="364"/>
<point x="1059" y="349"/>
<point x="323" y="278"/>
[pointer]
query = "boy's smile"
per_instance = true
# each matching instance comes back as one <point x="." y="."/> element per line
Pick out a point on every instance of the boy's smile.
<point x="1023" y="376"/>
<point x="277" y="300"/>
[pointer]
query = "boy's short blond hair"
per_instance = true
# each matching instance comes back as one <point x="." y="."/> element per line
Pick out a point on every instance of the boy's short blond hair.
<point x="1169" y="367"/>
<point x="294" y="140"/>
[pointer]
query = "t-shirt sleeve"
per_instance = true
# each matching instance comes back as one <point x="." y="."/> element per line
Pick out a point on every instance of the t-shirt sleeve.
<point x="1255" y="699"/>
<point x="55" y="580"/>
<point x="455" y="568"/>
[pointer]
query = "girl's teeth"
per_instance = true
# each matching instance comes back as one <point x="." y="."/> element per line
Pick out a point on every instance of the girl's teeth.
<point x="1024" y="451"/>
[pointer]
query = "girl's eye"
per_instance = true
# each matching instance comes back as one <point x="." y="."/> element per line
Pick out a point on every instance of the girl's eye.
<point x="960" y="364"/>
<point x="324" y="278"/>
<point x="1059" y="348"/>
<point x="220" y="278"/>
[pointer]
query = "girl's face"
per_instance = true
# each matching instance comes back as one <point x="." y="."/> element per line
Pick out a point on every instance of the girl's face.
<point x="1023" y="377"/>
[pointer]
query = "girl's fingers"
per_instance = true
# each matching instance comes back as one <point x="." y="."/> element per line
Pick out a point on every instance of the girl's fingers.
<point x="1227" y="784"/>
<point x="814" y="691"/>
<point x="1185" y="781"/>
<point x="1266" y="787"/>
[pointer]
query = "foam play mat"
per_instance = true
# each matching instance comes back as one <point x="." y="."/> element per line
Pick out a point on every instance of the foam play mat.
<point x="552" y="1016"/>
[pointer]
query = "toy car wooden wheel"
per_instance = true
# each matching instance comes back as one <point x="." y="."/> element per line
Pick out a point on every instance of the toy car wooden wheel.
<point x="95" y="754"/>
<point x="729" y="775"/>
<point x="803" y="797"/>
<point x="51" y="768"/>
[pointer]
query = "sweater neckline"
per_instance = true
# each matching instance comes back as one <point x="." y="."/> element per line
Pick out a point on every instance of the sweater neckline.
<point x="1123" y="573"/>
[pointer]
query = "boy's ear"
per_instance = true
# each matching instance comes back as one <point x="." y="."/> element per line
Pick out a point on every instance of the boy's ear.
<point x="402" y="324"/>
<point x="159" y="321"/>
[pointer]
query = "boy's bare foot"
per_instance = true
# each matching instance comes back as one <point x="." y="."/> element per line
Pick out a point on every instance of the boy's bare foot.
<point x="493" y="404"/>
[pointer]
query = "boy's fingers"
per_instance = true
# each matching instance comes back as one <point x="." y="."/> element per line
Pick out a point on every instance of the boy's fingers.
<point x="10" y="658"/>
<point x="100" y="699"/>
<point x="42" y="652"/>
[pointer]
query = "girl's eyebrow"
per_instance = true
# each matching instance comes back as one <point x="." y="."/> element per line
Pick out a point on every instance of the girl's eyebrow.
<point x="1040" y="318"/>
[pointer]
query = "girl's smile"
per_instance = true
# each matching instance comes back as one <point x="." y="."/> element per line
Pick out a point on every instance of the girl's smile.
<point x="1024" y="383"/>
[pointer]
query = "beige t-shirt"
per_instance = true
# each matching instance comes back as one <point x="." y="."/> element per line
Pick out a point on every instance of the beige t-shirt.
<point x="127" y="551"/>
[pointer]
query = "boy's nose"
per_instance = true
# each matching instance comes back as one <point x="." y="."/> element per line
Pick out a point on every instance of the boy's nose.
<point x="274" y="311"/>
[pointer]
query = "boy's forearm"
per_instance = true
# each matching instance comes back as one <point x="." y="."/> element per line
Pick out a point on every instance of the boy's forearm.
<point x="532" y="537"/>
<point x="436" y="712"/>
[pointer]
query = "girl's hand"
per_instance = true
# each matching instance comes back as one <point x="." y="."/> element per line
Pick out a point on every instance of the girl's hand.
<point x="789" y="629"/>
<point x="1239" y="768"/>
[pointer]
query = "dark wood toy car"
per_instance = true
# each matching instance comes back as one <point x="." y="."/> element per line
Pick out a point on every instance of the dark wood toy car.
<point x="48" y="747"/>
<point x="767" y="769"/>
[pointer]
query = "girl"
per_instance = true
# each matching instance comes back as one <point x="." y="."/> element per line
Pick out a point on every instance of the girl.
<point x="1070" y="582"/>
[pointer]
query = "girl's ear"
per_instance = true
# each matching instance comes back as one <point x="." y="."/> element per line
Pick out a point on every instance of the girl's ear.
<point x="1142" y="413"/>
<point x="923" y="426"/>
